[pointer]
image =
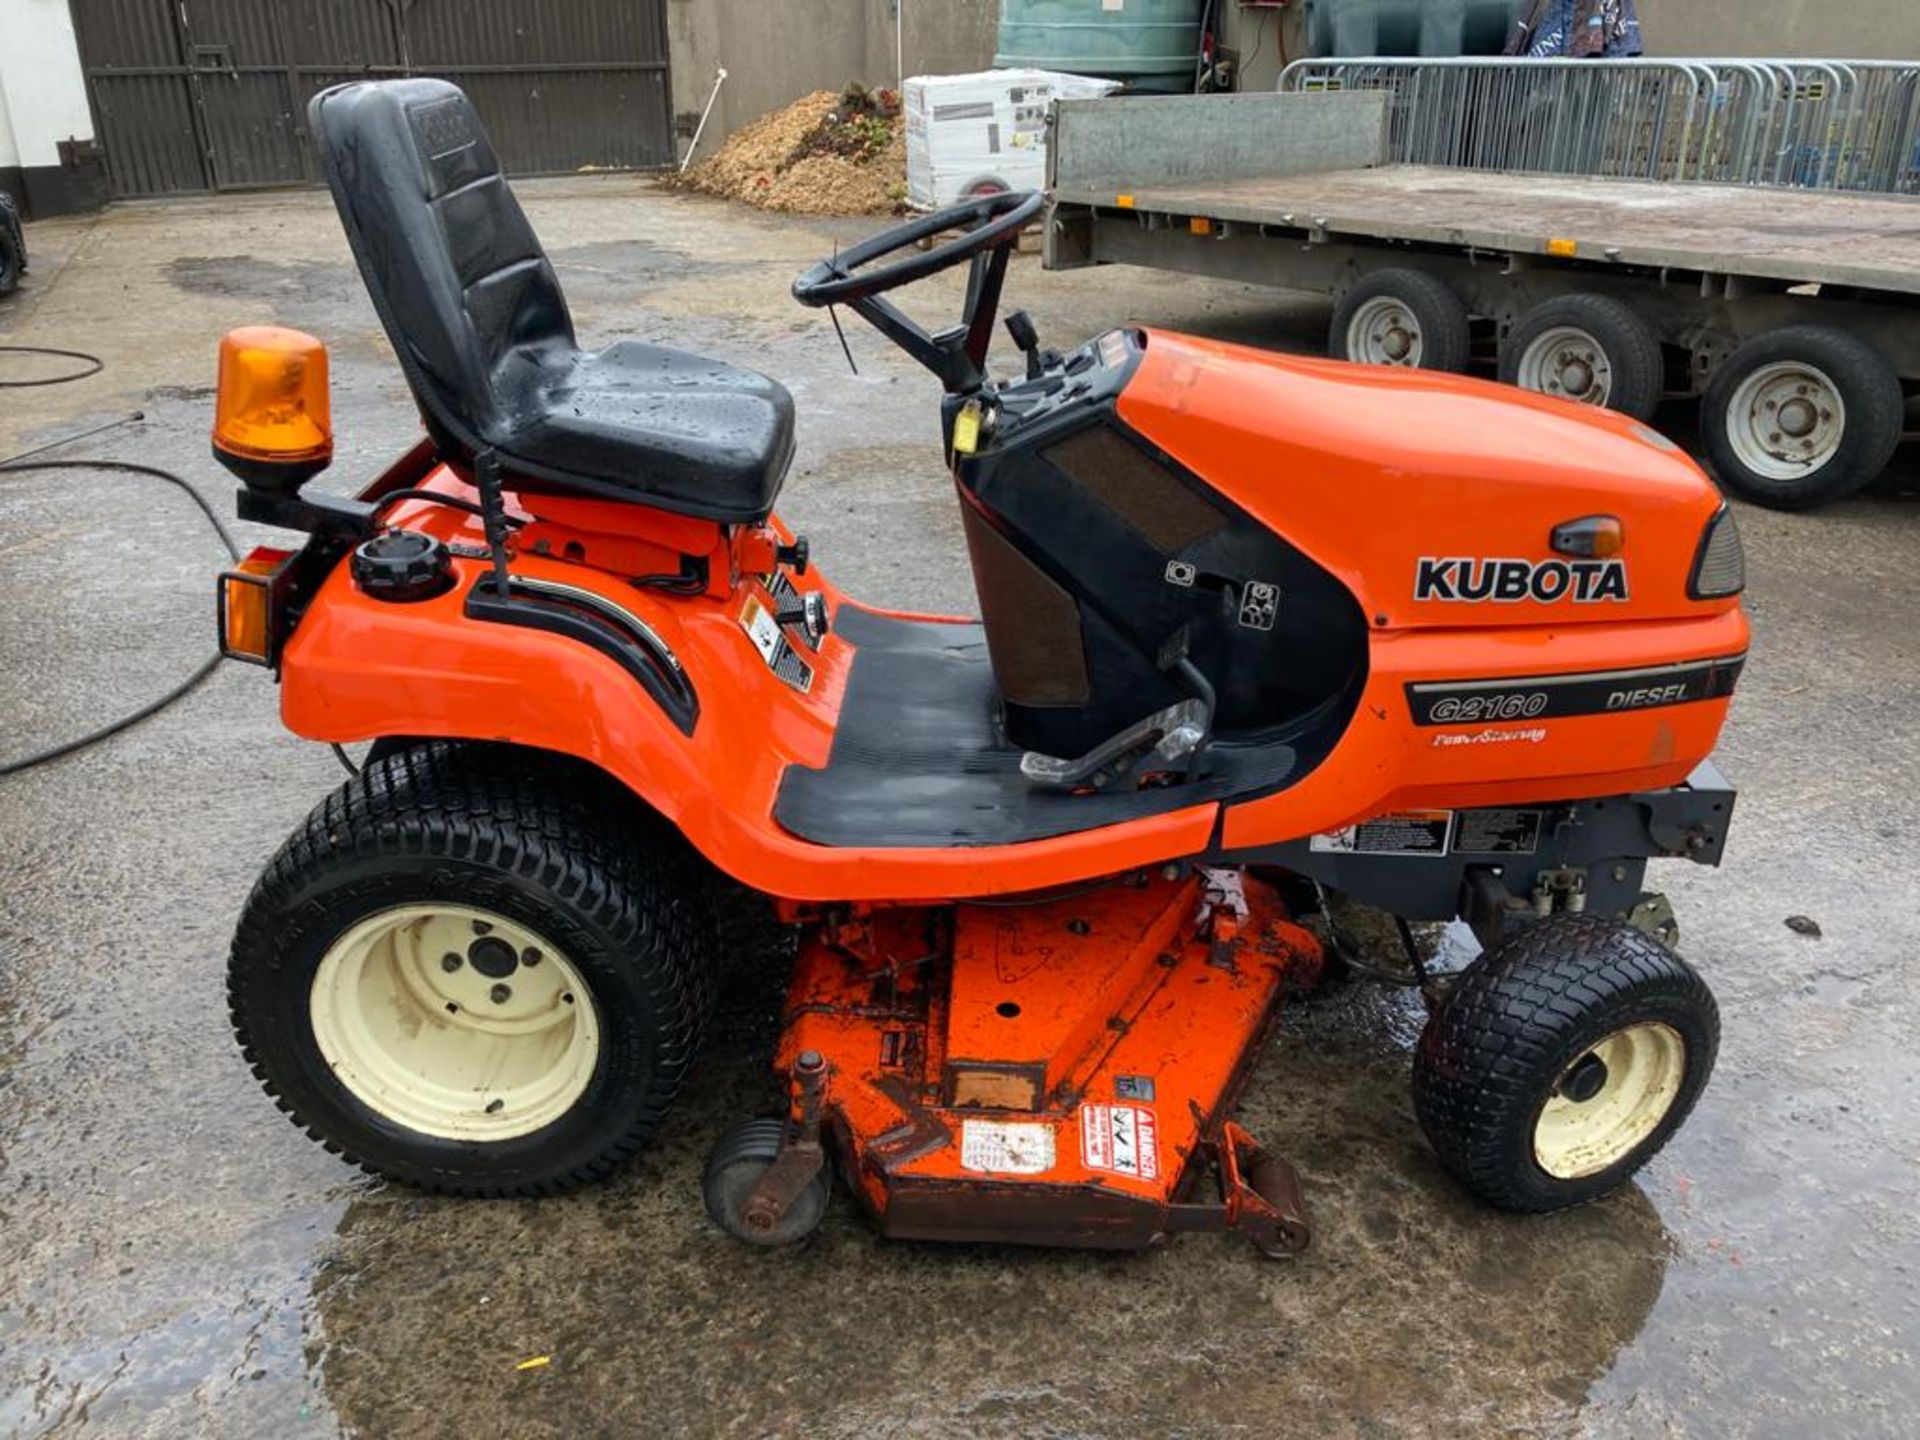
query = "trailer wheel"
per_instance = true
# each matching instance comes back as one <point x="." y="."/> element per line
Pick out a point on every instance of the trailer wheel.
<point x="1562" y="1061"/>
<point x="1801" y="416"/>
<point x="1590" y="349"/>
<point x="469" y="972"/>
<point x="1402" y="317"/>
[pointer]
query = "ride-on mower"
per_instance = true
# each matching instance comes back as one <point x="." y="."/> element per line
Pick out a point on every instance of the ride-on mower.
<point x="1254" y="631"/>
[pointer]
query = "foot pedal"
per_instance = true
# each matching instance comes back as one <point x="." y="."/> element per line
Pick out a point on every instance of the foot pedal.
<point x="1168" y="736"/>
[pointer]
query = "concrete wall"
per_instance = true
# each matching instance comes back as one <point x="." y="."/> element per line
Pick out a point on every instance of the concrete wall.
<point x="1853" y="29"/>
<point x="43" y="94"/>
<point x="775" y="51"/>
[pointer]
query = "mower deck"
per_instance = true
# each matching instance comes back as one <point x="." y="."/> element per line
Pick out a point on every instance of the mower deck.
<point x="1057" y="1073"/>
<point x="919" y="757"/>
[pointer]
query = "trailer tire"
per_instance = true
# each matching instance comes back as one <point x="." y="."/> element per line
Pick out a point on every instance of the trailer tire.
<point x="1561" y="1061"/>
<point x="1402" y="317"/>
<point x="564" y="937"/>
<point x="1842" y="405"/>
<point x="1590" y="349"/>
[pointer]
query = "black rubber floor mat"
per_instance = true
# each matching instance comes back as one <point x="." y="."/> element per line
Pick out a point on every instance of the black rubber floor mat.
<point x="918" y="760"/>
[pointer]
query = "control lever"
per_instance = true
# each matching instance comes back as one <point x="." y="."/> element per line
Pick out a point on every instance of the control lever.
<point x="1027" y="340"/>
<point x="795" y="555"/>
<point x="810" y="615"/>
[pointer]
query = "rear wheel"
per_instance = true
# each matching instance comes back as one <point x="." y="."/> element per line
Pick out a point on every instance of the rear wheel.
<point x="1801" y="416"/>
<point x="1590" y="349"/>
<point x="1562" y="1061"/>
<point x="468" y="972"/>
<point x="1402" y="317"/>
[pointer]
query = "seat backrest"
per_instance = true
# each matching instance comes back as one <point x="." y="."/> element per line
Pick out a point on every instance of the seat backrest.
<point x="455" y="271"/>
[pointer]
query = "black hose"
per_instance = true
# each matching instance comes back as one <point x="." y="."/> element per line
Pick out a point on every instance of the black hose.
<point x="207" y="667"/>
<point x="93" y="363"/>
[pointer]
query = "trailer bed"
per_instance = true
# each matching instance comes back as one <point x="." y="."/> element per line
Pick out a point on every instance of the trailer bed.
<point x="1799" y="236"/>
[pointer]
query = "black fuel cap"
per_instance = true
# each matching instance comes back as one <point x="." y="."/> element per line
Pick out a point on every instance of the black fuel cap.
<point x="403" y="565"/>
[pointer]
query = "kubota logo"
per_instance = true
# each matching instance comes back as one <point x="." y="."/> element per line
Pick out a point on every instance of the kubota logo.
<point x="1462" y="577"/>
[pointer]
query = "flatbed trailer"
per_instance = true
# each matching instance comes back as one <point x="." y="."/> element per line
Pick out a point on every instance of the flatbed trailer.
<point x="1793" y="315"/>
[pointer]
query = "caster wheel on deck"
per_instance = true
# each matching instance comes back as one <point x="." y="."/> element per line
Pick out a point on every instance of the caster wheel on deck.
<point x="736" y="1167"/>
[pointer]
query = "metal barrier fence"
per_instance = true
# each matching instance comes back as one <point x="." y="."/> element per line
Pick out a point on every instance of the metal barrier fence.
<point x="1818" y="124"/>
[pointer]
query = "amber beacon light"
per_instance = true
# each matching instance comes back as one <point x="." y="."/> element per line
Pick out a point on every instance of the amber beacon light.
<point x="273" y="422"/>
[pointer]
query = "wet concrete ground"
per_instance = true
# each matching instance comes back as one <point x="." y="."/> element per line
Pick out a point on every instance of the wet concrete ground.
<point x="176" y="1259"/>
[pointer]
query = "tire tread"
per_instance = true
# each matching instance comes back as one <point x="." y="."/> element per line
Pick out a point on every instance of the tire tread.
<point x="533" y="816"/>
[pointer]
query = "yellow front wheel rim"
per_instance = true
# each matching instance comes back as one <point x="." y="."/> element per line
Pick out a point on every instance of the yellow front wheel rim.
<point x="455" y="1022"/>
<point x="1610" y="1100"/>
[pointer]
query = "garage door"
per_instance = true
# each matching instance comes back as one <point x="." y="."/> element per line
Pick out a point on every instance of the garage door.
<point x="212" y="94"/>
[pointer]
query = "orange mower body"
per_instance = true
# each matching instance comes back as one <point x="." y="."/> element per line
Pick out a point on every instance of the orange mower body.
<point x="1258" y="637"/>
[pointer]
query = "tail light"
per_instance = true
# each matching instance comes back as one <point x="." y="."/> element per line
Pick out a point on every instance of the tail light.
<point x="251" y="606"/>
<point x="1720" y="568"/>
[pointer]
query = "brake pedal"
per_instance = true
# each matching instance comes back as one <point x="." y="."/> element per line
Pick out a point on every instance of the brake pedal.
<point x="1169" y="736"/>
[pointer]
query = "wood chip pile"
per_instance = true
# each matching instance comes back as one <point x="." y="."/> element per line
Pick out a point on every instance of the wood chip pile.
<point x="825" y="154"/>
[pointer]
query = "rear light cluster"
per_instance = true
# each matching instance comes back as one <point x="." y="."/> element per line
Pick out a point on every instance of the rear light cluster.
<point x="251" y="600"/>
<point x="1720" y="569"/>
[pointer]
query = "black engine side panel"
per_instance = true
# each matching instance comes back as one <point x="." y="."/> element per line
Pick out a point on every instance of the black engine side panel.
<point x="1099" y="560"/>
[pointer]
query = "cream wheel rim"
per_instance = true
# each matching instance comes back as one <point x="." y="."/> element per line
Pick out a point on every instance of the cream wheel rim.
<point x="1607" y="1102"/>
<point x="455" y="1022"/>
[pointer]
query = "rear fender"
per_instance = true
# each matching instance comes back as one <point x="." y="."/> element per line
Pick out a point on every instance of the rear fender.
<point x="358" y="669"/>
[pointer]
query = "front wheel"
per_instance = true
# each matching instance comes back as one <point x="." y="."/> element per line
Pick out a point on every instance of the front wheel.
<point x="469" y="972"/>
<point x="1562" y="1061"/>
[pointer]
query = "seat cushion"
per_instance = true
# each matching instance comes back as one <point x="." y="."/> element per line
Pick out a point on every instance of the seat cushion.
<point x="642" y="422"/>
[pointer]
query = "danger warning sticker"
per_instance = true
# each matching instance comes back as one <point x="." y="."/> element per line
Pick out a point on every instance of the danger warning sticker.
<point x="1409" y="832"/>
<point x="1120" y="1138"/>
<point x="1002" y="1147"/>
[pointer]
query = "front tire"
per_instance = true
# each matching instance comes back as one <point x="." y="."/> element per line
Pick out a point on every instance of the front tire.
<point x="1562" y="1061"/>
<point x="469" y="972"/>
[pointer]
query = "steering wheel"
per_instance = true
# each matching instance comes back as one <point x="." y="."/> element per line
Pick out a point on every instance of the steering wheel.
<point x="989" y="225"/>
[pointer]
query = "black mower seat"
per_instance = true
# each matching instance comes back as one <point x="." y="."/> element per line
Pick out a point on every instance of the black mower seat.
<point x="483" y="333"/>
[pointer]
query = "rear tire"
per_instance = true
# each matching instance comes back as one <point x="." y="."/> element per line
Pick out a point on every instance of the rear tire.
<point x="1562" y="1061"/>
<point x="1843" y="415"/>
<point x="469" y="972"/>
<point x="1402" y="317"/>
<point x="1589" y="349"/>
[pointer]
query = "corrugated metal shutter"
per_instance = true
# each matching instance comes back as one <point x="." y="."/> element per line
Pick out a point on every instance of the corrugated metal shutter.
<point x="211" y="94"/>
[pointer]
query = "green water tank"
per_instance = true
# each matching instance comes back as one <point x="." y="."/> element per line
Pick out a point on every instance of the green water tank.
<point x="1410" y="27"/>
<point x="1152" y="45"/>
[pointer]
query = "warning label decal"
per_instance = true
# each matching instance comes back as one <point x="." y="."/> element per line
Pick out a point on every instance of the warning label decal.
<point x="1001" y="1147"/>
<point x="1121" y="1138"/>
<point x="1411" y="832"/>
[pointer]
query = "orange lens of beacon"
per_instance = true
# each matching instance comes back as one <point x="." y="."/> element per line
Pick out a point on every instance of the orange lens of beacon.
<point x="273" y="397"/>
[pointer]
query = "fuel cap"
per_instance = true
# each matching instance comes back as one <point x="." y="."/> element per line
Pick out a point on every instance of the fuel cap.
<point x="403" y="565"/>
